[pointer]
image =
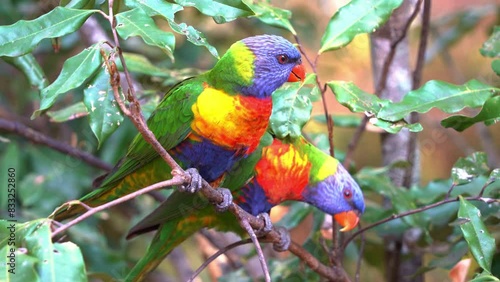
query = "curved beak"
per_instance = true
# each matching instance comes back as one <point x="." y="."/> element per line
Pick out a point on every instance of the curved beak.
<point x="298" y="73"/>
<point x="348" y="220"/>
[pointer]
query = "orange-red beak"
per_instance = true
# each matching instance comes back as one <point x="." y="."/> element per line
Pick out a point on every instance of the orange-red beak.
<point x="298" y="73"/>
<point x="348" y="220"/>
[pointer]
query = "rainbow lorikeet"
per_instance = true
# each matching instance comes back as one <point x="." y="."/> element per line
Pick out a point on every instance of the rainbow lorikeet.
<point x="207" y="122"/>
<point x="278" y="171"/>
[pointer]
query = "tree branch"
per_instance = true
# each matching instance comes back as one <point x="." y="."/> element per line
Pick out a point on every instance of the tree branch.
<point x="42" y="139"/>
<point x="176" y="180"/>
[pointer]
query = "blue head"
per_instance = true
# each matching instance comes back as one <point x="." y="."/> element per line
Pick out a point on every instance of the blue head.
<point x="256" y="66"/>
<point x="338" y="195"/>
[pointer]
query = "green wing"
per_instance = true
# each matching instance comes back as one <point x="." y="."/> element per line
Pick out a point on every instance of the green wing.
<point x="170" y="123"/>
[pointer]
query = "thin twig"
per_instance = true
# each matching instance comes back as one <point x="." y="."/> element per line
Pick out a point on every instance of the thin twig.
<point x="42" y="139"/>
<point x="246" y="225"/>
<point x="176" y="180"/>
<point x="216" y="255"/>
<point x="233" y="260"/>
<point x="322" y="88"/>
<point x="421" y="209"/>
<point x="357" y="276"/>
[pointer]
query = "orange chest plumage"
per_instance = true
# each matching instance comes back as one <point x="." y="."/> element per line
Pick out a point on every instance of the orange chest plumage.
<point x="231" y="121"/>
<point x="282" y="172"/>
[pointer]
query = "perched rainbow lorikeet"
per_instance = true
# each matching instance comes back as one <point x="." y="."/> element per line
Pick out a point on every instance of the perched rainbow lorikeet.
<point x="207" y="122"/>
<point x="276" y="172"/>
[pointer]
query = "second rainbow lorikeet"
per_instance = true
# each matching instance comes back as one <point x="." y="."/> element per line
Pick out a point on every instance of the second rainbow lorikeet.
<point x="207" y="122"/>
<point x="278" y="172"/>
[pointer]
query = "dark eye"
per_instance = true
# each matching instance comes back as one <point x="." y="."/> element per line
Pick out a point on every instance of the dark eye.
<point x="282" y="59"/>
<point x="347" y="194"/>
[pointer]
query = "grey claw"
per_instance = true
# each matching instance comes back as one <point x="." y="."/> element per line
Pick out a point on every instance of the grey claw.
<point x="196" y="181"/>
<point x="268" y="225"/>
<point x="226" y="202"/>
<point x="284" y="242"/>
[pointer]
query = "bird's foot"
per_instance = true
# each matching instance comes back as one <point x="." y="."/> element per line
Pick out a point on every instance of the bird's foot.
<point x="268" y="225"/>
<point x="284" y="242"/>
<point x="226" y="202"/>
<point x="195" y="184"/>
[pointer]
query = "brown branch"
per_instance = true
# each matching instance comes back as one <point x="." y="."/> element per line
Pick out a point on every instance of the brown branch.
<point x="416" y="81"/>
<point x="421" y="209"/>
<point x="134" y="110"/>
<point x="42" y="139"/>
<point x="176" y="180"/>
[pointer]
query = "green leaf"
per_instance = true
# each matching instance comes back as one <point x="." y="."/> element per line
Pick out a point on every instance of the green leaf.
<point x="37" y="258"/>
<point x="168" y="10"/>
<point x="291" y="109"/>
<point x="495" y="65"/>
<point x="104" y="114"/>
<point x="23" y="36"/>
<point x="491" y="47"/>
<point x="155" y="7"/>
<point x="136" y="22"/>
<point x="221" y="11"/>
<point x="489" y="114"/>
<point x="396" y="126"/>
<point x="485" y="277"/>
<point x="194" y="36"/>
<point x="481" y="244"/>
<point x="77" y="4"/>
<point x="494" y="175"/>
<point x="357" y="17"/>
<point x="447" y="97"/>
<point x="466" y="169"/>
<point x="71" y="112"/>
<point x="357" y="100"/>
<point x="76" y="70"/>
<point x="271" y="15"/>
<point x="28" y="65"/>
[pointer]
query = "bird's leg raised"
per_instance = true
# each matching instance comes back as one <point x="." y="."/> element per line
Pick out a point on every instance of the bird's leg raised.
<point x="195" y="184"/>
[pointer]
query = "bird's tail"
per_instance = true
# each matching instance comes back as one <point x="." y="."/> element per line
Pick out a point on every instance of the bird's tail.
<point x="169" y="235"/>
